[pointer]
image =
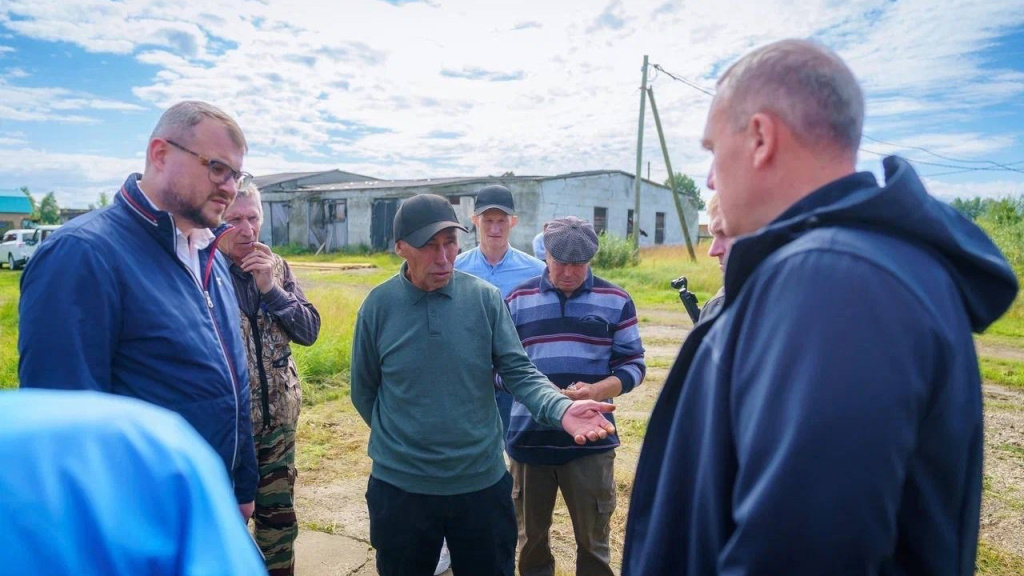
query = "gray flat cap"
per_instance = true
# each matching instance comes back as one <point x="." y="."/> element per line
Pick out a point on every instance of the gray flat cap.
<point x="570" y="240"/>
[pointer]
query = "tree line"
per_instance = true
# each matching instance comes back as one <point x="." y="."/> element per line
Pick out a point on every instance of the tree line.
<point x="47" y="210"/>
<point x="1003" y="220"/>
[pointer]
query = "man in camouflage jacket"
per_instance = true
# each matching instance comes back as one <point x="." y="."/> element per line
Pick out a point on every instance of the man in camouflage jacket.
<point x="274" y="313"/>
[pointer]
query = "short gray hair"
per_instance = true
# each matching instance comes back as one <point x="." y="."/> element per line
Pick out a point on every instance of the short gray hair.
<point x="180" y="120"/>
<point x="802" y="82"/>
<point x="251" y="191"/>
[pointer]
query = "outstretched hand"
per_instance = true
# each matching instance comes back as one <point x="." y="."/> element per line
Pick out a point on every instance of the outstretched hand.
<point x="584" y="421"/>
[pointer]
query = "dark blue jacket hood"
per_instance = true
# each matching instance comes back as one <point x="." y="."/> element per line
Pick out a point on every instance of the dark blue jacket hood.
<point x="901" y="208"/>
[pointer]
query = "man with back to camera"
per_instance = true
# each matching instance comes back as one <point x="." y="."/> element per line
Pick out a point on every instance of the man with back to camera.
<point x="134" y="299"/>
<point x="803" y="430"/>
<point x="581" y="332"/>
<point x="274" y="312"/>
<point x="425" y="344"/>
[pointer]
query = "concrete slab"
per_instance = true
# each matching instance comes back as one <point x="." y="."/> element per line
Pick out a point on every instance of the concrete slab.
<point x="320" y="554"/>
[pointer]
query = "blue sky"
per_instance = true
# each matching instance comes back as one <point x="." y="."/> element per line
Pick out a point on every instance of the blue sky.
<point x="441" y="88"/>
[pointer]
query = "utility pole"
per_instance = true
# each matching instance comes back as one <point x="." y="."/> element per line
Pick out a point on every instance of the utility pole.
<point x="671" y="178"/>
<point x="639" y="158"/>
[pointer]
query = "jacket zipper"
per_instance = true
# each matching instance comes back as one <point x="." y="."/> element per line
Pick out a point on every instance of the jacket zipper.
<point x="220" y="338"/>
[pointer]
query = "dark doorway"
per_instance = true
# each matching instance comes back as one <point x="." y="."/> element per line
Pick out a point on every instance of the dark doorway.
<point x="382" y="222"/>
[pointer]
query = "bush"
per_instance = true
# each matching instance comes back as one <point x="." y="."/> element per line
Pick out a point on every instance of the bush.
<point x="615" y="252"/>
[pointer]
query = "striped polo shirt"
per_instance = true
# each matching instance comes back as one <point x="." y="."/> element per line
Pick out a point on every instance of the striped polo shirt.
<point x="584" y="337"/>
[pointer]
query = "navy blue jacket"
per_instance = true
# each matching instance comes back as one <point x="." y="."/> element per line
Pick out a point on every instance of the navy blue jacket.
<point x="829" y="419"/>
<point x="107" y="305"/>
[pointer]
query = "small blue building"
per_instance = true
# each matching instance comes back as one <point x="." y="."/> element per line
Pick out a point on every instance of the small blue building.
<point x="15" y="210"/>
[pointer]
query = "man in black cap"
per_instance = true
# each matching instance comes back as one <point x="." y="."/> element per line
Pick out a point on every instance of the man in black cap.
<point x="424" y="346"/>
<point x="495" y="260"/>
<point x="581" y="332"/>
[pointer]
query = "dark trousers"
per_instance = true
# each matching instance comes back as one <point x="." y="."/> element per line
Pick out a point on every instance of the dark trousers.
<point x="407" y="530"/>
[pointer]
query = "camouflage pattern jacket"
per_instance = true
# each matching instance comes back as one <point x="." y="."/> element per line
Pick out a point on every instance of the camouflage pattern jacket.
<point x="270" y="322"/>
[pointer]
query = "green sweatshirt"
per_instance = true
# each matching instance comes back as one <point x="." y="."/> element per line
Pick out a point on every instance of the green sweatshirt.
<point x="422" y="379"/>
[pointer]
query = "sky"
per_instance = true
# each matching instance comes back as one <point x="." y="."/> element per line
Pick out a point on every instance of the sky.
<point x="422" y="89"/>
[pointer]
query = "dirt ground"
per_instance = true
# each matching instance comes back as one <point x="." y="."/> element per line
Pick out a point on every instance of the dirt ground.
<point x="334" y="467"/>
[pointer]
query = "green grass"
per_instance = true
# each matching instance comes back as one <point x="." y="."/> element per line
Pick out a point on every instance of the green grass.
<point x="9" y="295"/>
<point x="648" y="283"/>
<point x="994" y="562"/>
<point x="1000" y="371"/>
<point x="1012" y="449"/>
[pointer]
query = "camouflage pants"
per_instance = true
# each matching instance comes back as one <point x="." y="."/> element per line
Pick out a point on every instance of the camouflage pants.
<point x="274" y="517"/>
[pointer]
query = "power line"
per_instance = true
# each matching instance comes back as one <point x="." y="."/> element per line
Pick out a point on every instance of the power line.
<point x="683" y="80"/>
<point x="958" y="169"/>
<point x="965" y="168"/>
<point x="937" y="155"/>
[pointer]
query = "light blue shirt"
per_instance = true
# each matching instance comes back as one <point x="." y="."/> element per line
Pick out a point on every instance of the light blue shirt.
<point x="103" y="485"/>
<point x="538" y="247"/>
<point x="515" y="268"/>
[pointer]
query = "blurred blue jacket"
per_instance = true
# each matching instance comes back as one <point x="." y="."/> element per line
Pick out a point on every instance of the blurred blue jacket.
<point x="107" y="486"/>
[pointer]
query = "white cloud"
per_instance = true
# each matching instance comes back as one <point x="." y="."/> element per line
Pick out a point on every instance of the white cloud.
<point x="367" y="86"/>
<point x="76" y="179"/>
<point x="14" y="73"/>
<point x="995" y="189"/>
<point x="24" y="104"/>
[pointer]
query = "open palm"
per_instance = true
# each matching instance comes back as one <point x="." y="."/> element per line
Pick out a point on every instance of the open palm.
<point x="584" y="421"/>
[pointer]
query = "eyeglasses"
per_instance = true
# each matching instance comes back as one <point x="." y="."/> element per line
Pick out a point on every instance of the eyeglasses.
<point x="219" y="172"/>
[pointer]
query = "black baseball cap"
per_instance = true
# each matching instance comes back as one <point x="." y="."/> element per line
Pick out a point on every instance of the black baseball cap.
<point x="494" y="196"/>
<point x="422" y="216"/>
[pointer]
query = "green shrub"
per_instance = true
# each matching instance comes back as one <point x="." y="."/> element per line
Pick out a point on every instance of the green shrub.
<point x="615" y="252"/>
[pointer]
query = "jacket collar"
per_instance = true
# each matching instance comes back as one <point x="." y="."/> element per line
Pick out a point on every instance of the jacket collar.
<point x="814" y="210"/>
<point x="903" y="209"/>
<point x="158" y="223"/>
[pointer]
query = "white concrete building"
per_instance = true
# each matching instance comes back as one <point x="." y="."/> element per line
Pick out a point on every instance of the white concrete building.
<point x="338" y="209"/>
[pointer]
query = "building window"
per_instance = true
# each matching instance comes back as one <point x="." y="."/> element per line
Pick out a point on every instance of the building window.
<point x="629" y="222"/>
<point x="600" y="219"/>
<point x="336" y="211"/>
<point x="659" y="227"/>
<point x="455" y="200"/>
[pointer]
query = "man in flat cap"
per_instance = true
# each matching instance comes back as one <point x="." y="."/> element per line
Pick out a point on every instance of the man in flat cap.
<point x="495" y="260"/>
<point x="424" y="346"/>
<point x="581" y="332"/>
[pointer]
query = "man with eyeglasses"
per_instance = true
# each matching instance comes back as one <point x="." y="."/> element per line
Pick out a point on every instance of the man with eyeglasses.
<point x="135" y="300"/>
